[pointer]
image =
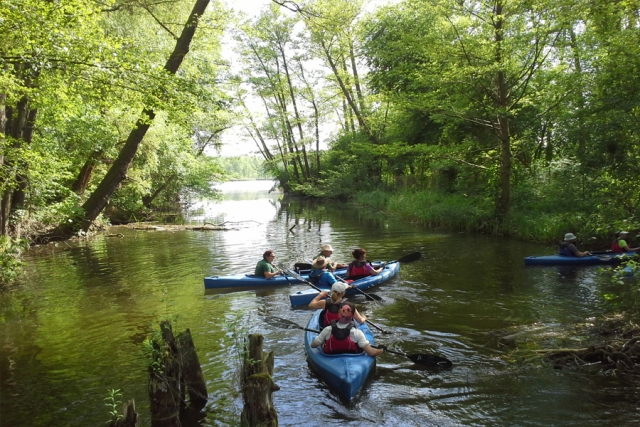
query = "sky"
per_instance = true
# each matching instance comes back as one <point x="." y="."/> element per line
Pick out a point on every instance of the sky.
<point x="234" y="141"/>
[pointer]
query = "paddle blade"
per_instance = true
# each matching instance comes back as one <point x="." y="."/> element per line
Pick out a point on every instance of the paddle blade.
<point x="430" y="360"/>
<point x="410" y="257"/>
<point x="279" y="322"/>
<point x="299" y="266"/>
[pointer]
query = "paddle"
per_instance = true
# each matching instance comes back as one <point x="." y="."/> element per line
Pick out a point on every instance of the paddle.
<point x="414" y="256"/>
<point x="372" y="297"/>
<point x="298" y="277"/>
<point x="422" y="359"/>
<point x="425" y="359"/>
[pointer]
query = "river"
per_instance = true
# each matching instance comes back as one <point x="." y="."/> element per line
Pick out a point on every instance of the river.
<point x="73" y="329"/>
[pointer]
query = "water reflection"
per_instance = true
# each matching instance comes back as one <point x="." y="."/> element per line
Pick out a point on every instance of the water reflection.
<point x="73" y="329"/>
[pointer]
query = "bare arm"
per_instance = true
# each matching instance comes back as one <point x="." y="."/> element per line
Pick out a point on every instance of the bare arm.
<point x="319" y="301"/>
<point x="269" y="275"/>
<point x="372" y="351"/>
<point x="359" y="317"/>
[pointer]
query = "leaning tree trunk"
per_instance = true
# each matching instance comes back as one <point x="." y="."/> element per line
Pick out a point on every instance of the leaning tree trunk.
<point x="118" y="171"/>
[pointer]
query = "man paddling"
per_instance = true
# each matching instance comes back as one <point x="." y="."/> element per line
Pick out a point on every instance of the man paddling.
<point x="326" y="251"/>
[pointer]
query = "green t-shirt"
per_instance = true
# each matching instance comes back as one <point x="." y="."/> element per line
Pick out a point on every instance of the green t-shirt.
<point x="264" y="265"/>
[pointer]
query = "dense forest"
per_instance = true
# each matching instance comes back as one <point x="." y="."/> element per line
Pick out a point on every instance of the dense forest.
<point x="507" y="117"/>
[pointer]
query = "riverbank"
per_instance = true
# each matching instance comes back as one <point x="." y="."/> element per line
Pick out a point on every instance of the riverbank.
<point x="524" y="222"/>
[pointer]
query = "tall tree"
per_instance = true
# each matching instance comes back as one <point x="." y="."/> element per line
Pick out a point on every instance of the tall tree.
<point x="118" y="171"/>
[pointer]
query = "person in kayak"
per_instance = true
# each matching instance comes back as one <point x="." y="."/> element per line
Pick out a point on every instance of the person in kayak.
<point x="342" y="336"/>
<point x="620" y="244"/>
<point x="326" y="251"/>
<point x="568" y="246"/>
<point x="330" y="304"/>
<point x="320" y="275"/>
<point x="361" y="267"/>
<point x="265" y="267"/>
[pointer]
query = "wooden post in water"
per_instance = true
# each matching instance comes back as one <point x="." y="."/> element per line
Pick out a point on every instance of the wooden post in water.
<point x="174" y="373"/>
<point x="165" y="385"/>
<point x="129" y="416"/>
<point x="192" y="377"/>
<point x="257" y="386"/>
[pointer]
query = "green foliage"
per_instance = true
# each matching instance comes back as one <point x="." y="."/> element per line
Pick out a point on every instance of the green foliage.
<point x="113" y="402"/>
<point x="242" y="167"/>
<point x="10" y="262"/>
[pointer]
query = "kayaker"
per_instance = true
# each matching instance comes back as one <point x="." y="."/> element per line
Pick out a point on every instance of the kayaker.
<point x="620" y="244"/>
<point x="326" y="251"/>
<point x="330" y="304"/>
<point x="319" y="274"/>
<point x="568" y="246"/>
<point x="344" y="337"/>
<point x="361" y="267"/>
<point x="265" y="267"/>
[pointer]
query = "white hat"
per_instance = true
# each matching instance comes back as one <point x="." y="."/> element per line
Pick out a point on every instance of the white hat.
<point x="326" y="248"/>
<point x="570" y="236"/>
<point x="339" y="287"/>
<point x="623" y="232"/>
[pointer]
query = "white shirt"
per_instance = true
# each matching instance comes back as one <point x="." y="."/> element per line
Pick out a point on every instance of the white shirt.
<point x="356" y="335"/>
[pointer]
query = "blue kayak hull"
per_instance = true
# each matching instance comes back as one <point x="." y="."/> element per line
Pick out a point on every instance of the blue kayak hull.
<point x="346" y="374"/>
<point x="249" y="280"/>
<point x="598" y="259"/>
<point x="306" y="296"/>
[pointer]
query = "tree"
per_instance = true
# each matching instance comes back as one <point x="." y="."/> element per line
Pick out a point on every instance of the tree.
<point x="118" y="171"/>
<point x="476" y="62"/>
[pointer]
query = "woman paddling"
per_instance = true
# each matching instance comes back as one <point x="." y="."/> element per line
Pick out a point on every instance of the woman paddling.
<point x="620" y="244"/>
<point x="330" y="305"/>
<point x="342" y="336"/>
<point x="361" y="267"/>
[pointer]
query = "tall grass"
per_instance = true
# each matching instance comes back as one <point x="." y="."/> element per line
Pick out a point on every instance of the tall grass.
<point x="459" y="212"/>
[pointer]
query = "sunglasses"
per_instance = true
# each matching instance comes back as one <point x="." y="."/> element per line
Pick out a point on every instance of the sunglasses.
<point x="346" y="309"/>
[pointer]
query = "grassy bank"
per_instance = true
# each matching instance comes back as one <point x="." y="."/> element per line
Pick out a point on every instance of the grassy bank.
<point x="459" y="212"/>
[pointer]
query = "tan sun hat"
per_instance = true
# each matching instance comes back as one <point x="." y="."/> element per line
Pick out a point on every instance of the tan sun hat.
<point x="570" y="236"/>
<point x="320" y="262"/>
<point x="326" y="248"/>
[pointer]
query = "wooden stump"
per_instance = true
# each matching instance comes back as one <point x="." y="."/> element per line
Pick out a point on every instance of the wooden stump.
<point x="193" y="379"/>
<point x="165" y="381"/>
<point x="129" y="417"/>
<point x="174" y="373"/>
<point x="258" y="386"/>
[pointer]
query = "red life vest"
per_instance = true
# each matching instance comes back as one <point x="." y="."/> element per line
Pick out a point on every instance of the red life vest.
<point x="330" y="312"/>
<point x="615" y="247"/>
<point x="340" y="340"/>
<point x="357" y="270"/>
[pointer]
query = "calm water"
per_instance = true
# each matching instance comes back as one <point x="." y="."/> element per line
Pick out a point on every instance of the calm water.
<point x="74" y="329"/>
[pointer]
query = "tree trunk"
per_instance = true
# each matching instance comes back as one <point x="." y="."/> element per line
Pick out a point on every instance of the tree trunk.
<point x="345" y="91"/>
<point x="84" y="176"/>
<point x="503" y="119"/>
<point x="118" y="171"/>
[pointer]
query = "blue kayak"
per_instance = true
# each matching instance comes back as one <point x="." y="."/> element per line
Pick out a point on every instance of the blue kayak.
<point x="306" y="296"/>
<point x="343" y="373"/>
<point x="595" y="259"/>
<point x="248" y="280"/>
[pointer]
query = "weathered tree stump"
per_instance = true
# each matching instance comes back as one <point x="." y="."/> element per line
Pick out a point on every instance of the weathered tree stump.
<point x="174" y="373"/>
<point x="193" y="379"/>
<point x="165" y="381"/>
<point x="258" y="386"/>
<point x="129" y="416"/>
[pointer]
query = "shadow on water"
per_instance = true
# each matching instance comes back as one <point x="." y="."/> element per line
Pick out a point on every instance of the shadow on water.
<point x="73" y="330"/>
